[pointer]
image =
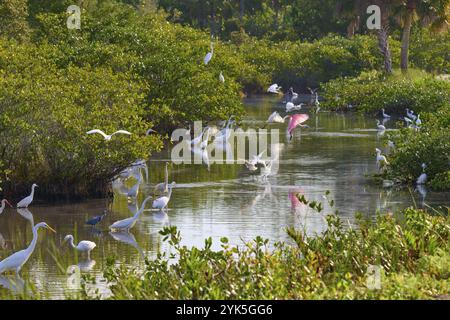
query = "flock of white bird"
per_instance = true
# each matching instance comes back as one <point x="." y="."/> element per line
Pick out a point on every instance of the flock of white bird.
<point x="16" y="261"/>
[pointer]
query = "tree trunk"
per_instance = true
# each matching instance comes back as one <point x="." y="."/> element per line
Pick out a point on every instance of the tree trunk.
<point x="383" y="44"/>
<point x="241" y="11"/>
<point x="410" y="7"/>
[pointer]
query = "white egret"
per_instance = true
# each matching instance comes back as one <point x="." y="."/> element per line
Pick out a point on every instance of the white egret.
<point x="163" y="187"/>
<point x="380" y="127"/>
<point x="128" y="223"/>
<point x="150" y="131"/>
<point x="291" y="107"/>
<point x="422" y="179"/>
<point x="106" y="136"/>
<point x="82" y="246"/>
<point x="161" y="202"/>
<point x="199" y="139"/>
<point x="391" y="144"/>
<point x="275" y="117"/>
<point x="221" y="77"/>
<point x="204" y="143"/>
<point x="4" y="202"/>
<point x="17" y="260"/>
<point x="209" y="55"/>
<point x="381" y="159"/>
<point x="134" y="190"/>
<point x="418" y="121"/>
<point x="266" y="168"/>
<point x="317" y="103"/>
<point x="25" y="202"/>
<point x="385" y="116"/>
<point x="250" y="165"/>
<point x="274" y="88"/>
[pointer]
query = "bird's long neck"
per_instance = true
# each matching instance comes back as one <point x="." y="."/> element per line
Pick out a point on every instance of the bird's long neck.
<point x="71" y="243"/>
<point x="166" y="177"/>
<point x="138" y="213"/>
<point x="32" y="245"/>
<point x="2" y="207"/>
<point x="170" y="192"/>
<point x="32" y="191"/>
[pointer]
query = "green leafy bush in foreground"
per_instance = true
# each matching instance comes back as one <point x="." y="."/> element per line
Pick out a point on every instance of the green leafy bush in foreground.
<point x="411" y="248"/>
<point x="373" y="90"/>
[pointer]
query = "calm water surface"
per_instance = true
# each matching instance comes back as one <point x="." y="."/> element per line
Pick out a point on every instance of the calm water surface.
<point x="335" y="154"/>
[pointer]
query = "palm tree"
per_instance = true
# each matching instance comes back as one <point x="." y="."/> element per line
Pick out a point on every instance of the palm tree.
<point x="435" y="12"/>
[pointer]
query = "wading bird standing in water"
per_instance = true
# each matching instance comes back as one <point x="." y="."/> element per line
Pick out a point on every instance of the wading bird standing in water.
<point x="292" y="107"/>
<point x="17" y="260"/>
<point x="128" y="223"/>
<point x="163" y="187"/>
<point x="162" y="202"/>
<point x="381" y="159"/>
<point x="4" y="202"/>
<point x="276" y="118"/>
<point x="380" y="127"/>
<point x="96" y="220"/>
<point x="274" y="88"/>
<point x="385" y="116"/>
<point x="82" y="246"/>
<point x="294" y="121"/>
<point x="25" y="202"/>
<point x="106" y="136"/>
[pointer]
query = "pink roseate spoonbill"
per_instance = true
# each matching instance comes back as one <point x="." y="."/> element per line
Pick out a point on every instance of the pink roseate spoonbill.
<point x="4" y="202"/>
<point x="296" y="120"/>
<point x="25" y="202"/>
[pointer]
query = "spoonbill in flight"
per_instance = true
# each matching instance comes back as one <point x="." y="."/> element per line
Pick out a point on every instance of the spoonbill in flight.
<point x="296" y="120"/>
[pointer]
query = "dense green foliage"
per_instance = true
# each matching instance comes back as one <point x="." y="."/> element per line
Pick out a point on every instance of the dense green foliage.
<point x="412" y="250"/>
<point x="429" y="145"/>
<point x="371" y="91"/>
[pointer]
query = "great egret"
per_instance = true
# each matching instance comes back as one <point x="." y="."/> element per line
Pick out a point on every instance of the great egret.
<point x="17" y="260"/>
<point x="275" y="117"/>
<point x="4" y="202"/>
<point x="274" y="88"/>
<point x="199" y="139"/>
<point x="209" y="55"/>
<point x="161" y="202"/>
<point x="163" y="187"/>
<point x="296" y="120"/>
<point x="221" y="77"/>
<point x="291" y="107"/>
<point x="134" y="190"/>
<point x="128" y="223"/>
<point x="82" y="246"/>
<point x="422" y="179"/>
<point x="385" y="116"/>
<point x="380" y="159"/>
<point x="97" y="219"/>
<point x="106" y="136"/>
<point x="25" y="202"/>
<point x="380" y="127"/>
<point x="418" y="121"/>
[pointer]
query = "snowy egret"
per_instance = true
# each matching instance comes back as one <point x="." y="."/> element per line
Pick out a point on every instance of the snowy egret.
<point x="296" y="120"/>
<point x="97" y="219"/>
<point x="161" y="202"/>
<point x="106" y="136"/>
<point x="17" y="260"/>
<point x="209" y="55"/>
<point x="386" y="116"/>
<point x="275" y="117"/>
<point x="274" y="88"/>
<point x="2" y="207"/>
<point x="422" y="179"/>
<point x="163" y="187"/>
<point x="221" y="77"/>
<point x="128" y="223"/>
<point x="291" y="107"/>
<point x="380" y="127"/>
<point x="25" y="202"/>
<point x="82" y="246"/>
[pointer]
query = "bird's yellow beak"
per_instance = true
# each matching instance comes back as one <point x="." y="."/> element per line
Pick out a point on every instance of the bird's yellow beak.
<point x="51" y="229"/>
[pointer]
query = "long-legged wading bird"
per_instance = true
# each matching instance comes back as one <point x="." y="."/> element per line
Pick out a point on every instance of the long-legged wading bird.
<point x="163" y="187"/>
<point x="296" y="120"/>
<point x="82" y="246"/>
<point x="290" y="106"/>
<point x="17" y="260"/>
<point x="209" y="55"/>
<point x="385" y="116"/>
<point x="422" y="179"/>
<point x="25" y="202"/>
<point x="97" y="219"/>
<point x="381" y="159"/>
<point x="274" y="88"/>
<point x="380" y="127"/>
<point x="128" y="223"/>
<point x="107" y="136"/>
<point x="275" y="117"/>
<point x="162" y="202"/>
<point x="4" y="202"/>
<point x="221" y="77"/>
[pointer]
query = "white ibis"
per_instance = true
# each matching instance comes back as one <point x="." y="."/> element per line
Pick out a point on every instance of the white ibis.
<point x="82" y="246"/>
